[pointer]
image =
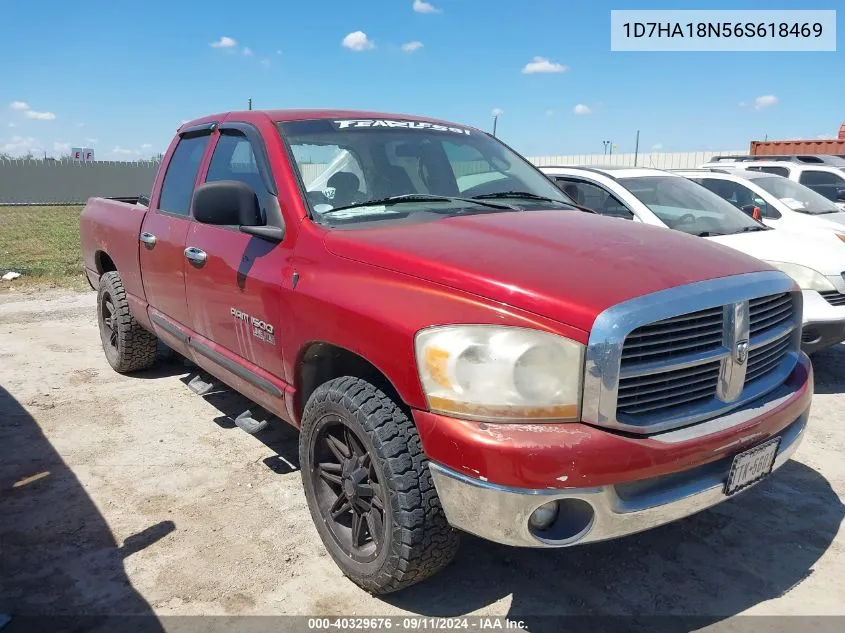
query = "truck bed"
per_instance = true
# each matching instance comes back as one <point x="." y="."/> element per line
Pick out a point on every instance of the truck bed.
<point x="113" y="225"/>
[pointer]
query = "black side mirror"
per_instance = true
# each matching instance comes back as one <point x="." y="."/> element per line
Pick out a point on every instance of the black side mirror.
<point x="226" y="203"/>
<point x="840" y="195"/>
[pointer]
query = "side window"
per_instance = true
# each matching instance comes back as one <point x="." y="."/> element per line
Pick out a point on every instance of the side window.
<point x="234" y="159"/>
<point x="780" y="171"/>
<point x="738" y="195"/>
<point x="178" y="185"/>
<point x="594" y="197"/>
<point x="819" y="178"/>
<point x="825" y="183"/>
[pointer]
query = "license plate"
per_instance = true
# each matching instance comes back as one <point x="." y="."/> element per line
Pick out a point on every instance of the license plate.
<point x="751" y="466"/>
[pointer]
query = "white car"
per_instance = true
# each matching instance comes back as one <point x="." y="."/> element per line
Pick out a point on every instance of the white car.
<point x="826" y="180"/>
<point x="783" y="203"/>
<point x="669" y="200"/>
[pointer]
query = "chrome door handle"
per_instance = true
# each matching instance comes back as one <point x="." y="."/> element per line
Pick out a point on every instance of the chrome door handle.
<point x="148" y="239"/>
<point x="196" y="255"/>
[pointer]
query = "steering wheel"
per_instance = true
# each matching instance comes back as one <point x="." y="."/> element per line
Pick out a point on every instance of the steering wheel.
<point x="686" y="218"/>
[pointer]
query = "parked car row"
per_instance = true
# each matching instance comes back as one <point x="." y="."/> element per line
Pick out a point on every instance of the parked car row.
<point x="462" y="345"/>
<point x="799" y="231"/>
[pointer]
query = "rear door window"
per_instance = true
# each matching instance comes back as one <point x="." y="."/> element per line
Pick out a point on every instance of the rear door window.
<point x="824" y="182"/>
<point x="181" y="176"/>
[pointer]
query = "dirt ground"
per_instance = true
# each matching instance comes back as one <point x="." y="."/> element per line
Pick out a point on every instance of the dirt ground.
<point x="143" y="497"/>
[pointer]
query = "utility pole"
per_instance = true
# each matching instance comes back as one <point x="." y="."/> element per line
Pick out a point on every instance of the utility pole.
<point x="637" y="148"/>
<point x="249" y="102"/>
<point x="495" y="121"/>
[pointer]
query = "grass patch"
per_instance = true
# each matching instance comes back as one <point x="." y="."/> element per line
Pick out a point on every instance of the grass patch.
<point x="41" y="243"/>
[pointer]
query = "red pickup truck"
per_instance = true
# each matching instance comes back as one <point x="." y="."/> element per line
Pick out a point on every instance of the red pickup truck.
<point x="461" y="348"/>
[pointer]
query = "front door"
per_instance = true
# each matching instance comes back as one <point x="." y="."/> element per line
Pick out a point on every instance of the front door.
<point x="165" y="228"/>
<point x="234" y="281"/>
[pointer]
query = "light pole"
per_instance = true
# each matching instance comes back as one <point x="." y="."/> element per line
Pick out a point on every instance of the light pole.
<point x="608" y="146"/>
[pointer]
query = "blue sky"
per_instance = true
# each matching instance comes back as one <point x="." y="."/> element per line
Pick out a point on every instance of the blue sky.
<point x="122" y="76"/>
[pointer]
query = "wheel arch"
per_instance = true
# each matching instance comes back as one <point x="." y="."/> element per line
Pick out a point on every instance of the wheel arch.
<point x="319" y="362"/>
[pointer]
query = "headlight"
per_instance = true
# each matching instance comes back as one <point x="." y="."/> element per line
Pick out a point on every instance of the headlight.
<point x="500" y="372"/>
<point x="806" y="278"/>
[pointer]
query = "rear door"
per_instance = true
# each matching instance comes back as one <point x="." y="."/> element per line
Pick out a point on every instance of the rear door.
<point x="165" y="228"/>
<point x="234" y="295"/>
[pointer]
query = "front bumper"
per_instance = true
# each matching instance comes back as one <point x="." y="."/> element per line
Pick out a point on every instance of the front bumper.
<point x="612" y="485"/>
<point x="823" y="324"/>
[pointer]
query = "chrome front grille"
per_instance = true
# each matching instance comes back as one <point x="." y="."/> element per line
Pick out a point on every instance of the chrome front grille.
<point x="833" y="297"/>
<point x="689" y="354"/>
<point x="769" y="313"/>
<point x="654" y="392"/>
<point x="685" y="334"/>
<point x="767" y="358"/>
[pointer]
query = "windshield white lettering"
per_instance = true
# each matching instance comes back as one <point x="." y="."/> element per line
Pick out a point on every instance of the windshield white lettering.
<point x="408" y="125"/>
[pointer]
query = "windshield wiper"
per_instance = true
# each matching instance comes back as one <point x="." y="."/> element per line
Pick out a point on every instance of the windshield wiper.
<point x="416" y="197"/>
<point x="707" y="234"/>
<point x="748" y="229"/>
<point x="531" y="196"/>
<point x="517" y="194"/>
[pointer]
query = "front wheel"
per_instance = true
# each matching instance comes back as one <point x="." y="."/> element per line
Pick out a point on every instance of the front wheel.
<point x="369" y="488"/>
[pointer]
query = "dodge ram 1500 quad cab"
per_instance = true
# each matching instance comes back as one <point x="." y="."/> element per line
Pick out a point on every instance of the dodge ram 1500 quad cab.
<point x="460" y="348"/>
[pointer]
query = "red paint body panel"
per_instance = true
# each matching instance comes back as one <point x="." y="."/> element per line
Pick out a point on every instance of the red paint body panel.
<point x="581" y="456"/>
<point x="568" y="266"/>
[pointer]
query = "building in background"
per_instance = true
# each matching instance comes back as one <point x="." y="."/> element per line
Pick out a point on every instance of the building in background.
<point x="82" y="154"/>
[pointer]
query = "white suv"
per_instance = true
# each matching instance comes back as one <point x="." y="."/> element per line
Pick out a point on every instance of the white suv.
<point x="826" y="180"/>
<point x="783" y="203"/>
<point x="669" y="200"/>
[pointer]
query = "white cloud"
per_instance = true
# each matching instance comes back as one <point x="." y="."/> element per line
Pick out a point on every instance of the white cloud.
<point x="19" y="105"/>
<point x="122" y="151"/>
<point x="742" y="104"/>
<point x="766" y="101"/>
<point x="92" y="141"/>
<point x="582" y="109"/>
<point x="12" y="124"/>
<point x="410" y="47"/>
<point x="146" y="146"/>
<point x="420" y="6"/>
<point x="61" y="148"/>
<point x="497" y="112"/>
<point x="279" y="52"/>
<point x="39" y="116"/>
<point x="247" y="51"/>
<point x="224" y="42"/>
<point x="543" y="65"/>
<point x="20" y="146"/>
<point x="265" y="62"/>
<point x="551" y="112"/>
<point x="826" y="137"/>
<point x="358" y="41"/>
<point x="657" y="147"/>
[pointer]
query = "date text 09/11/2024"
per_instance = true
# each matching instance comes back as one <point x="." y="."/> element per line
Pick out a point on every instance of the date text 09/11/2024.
<point x="406" y="623"/>
<point x="722" y="29"/>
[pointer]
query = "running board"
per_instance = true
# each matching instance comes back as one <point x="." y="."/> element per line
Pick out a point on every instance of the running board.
<point x="200" y="386"/>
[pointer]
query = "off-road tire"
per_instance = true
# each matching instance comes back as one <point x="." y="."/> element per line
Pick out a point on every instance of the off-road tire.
<point x="128" y="347"/>
<point x="419" y="541"/>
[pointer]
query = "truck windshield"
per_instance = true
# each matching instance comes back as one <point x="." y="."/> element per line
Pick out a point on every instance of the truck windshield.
<point x="371" y="169"/>
<point x="689" y="207"/>
<point x="796" y="196"/>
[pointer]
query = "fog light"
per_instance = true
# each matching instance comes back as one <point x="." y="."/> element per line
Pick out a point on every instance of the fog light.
<point x="543" y="516"/>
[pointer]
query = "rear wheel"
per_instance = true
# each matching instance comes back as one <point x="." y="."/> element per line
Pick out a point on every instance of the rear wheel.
<point x="369" y="488"/>
<point x="128" y="346"/>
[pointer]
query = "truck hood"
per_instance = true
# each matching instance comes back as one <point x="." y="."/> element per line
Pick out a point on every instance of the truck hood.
<point x="564" y="265"/>
<point x="824" y="255"/>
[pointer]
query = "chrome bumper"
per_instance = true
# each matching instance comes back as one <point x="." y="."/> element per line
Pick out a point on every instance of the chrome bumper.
<point x="501" y="514"/>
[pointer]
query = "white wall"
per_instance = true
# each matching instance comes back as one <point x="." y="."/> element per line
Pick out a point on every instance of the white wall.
<point x="658" y="160"/>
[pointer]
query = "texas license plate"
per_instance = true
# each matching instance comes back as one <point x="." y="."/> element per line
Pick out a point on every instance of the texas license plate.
<point x="751" y="466"/>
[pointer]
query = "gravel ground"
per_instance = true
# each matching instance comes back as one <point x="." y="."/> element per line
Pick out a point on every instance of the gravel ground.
<point x="154" y="502"/>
